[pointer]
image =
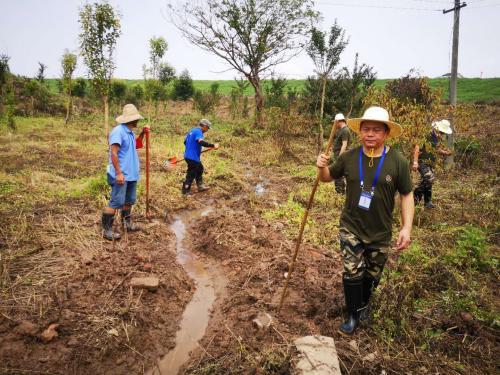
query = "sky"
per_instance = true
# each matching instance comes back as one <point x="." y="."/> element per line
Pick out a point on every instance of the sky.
<point x="393" y="36"/>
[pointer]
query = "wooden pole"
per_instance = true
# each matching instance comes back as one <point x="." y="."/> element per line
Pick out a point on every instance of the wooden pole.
<point x="303" y="223"/>
<point x="147" y="174"/>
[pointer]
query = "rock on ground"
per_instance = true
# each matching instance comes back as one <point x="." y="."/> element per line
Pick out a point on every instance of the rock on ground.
<point x="150" y="283"/>
<point x="318" y="356"/>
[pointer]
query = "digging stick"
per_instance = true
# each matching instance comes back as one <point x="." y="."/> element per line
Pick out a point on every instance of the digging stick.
<point x="303" y="223"/>
<point x="147" y="174"/>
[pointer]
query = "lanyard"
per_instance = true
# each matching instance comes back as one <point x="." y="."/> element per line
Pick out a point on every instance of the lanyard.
<point x="377" y="172"/>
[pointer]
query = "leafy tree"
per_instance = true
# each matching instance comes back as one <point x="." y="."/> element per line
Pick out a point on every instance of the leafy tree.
<point x="7" y="97"/>
<point x="118" y="92"/>
<point x="275" y="93"/>
<point x="4" y="76"/>
<point x="326" y="55"/>
<point x="80" y="87"/>
<point x="100" y="29"/>
<point x="354" y="86"/>
<point x="166" y="73"/>
<point x="252" y="36"/>
<point x="40" y="76"/>
<point x="159" y="74"/>
<point x="68" y="66"/>
<point x="344" y="93"/>
<point x="183" y="86"/>
<point x="135" y="94"/>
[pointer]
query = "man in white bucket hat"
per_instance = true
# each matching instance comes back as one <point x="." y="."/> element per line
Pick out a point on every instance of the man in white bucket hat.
<point x="424" y="161"/>
<point x="123" y="170"/>
<point x="341" y="143"/>
<point x="374" y="173"/>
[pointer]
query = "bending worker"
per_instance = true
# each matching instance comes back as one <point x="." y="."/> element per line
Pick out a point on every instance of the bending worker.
<point x="374" y="173"/>
<point x="194" y="141"/>
<point x="424" y="160"/>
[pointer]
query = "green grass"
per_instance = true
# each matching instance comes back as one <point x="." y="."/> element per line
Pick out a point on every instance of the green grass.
<point x="469" y="89"/>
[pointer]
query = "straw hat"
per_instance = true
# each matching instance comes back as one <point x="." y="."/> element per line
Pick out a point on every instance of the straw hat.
<point x="377" y="114"/>
<point x="443" y="126"/>
<point x="339" y="117"/>
<point x="130" y="113"/>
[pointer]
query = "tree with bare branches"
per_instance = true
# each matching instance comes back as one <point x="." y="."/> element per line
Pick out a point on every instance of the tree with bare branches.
<point x="252" y="36"/>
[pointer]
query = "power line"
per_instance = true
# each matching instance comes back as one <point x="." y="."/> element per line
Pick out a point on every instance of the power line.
<point x="377" y="6"/>
<point x="485" y="6"/>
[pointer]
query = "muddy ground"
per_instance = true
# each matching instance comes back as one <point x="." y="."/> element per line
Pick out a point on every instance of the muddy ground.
<point x="56" y="269"/>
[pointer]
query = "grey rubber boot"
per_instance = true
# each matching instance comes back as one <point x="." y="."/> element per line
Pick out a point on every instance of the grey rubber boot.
<point x="127" y="221"/>
<point x="201" y="186"/>
<point x="107" y="226"/>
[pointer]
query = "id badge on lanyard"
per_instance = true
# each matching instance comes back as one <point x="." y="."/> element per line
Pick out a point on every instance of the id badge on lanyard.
<point x="365" y="200"/>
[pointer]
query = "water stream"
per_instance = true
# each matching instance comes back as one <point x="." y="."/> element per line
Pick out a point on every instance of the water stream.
<point x="210" y="284"/>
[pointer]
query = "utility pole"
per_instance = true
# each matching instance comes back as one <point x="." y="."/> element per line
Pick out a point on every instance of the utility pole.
<point x="449" y="161"/>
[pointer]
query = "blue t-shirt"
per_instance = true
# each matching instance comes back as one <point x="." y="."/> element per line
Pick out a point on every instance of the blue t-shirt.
<point x="127" y="154"/>
<point x="193" y="147"/>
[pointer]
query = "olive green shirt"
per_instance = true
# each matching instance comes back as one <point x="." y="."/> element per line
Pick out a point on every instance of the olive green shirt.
<point x="342" y="135"/>
<point x="372" y="227"/>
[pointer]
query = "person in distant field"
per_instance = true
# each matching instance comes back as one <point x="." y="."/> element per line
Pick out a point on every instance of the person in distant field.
<point x="123" y="170"/>
<point x="194" y="142"/>
<point x="374" y="173"/>
<point x="424" y="160"/>
<point x="341" y="143"/>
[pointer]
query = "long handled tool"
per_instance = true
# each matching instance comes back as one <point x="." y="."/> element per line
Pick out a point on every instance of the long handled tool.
<point x="147" y="174"/>
<point x="171" y="162"/>
<point x="303" y="223"/>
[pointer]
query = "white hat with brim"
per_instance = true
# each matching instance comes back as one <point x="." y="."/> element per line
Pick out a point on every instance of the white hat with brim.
<point x="130" y="113"/>
<point x="339" y="117"/>
<point x="443" y="126"/>
<point x="377" y="114"/>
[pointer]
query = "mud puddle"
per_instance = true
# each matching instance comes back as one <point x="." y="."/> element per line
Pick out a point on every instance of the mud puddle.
<point x="210" y="284"/>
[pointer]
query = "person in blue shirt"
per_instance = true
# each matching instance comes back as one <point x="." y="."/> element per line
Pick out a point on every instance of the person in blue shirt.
<point x="123" y="170"/>
<point x="194" y="142"/>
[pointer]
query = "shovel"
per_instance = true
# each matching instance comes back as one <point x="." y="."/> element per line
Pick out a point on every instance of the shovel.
<point x="171" y="162"/>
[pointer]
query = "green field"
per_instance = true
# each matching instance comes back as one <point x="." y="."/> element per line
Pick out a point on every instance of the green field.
<point x="469" y="89"/>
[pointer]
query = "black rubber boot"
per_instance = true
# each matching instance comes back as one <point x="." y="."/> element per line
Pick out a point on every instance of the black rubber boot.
<point x="186" y="188"/>
<point x="428" y="199"/>
<point x="127" y="221"/>
<point x="107" y="226"/>
<point x="353" y="293"/>
<point x="369" y="285"/>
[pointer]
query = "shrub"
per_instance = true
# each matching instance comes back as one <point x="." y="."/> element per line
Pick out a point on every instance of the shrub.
<point x="412" y="88"/>
<point x="183" y="87"/>
<point x="471" y="251"/>
<point x="467" y="150"/>
<point x="79" y="88"/>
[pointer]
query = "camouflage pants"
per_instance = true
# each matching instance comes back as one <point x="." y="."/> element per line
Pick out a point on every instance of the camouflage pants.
<point x="359" y="258"/>
<point x="424" y="188"/>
